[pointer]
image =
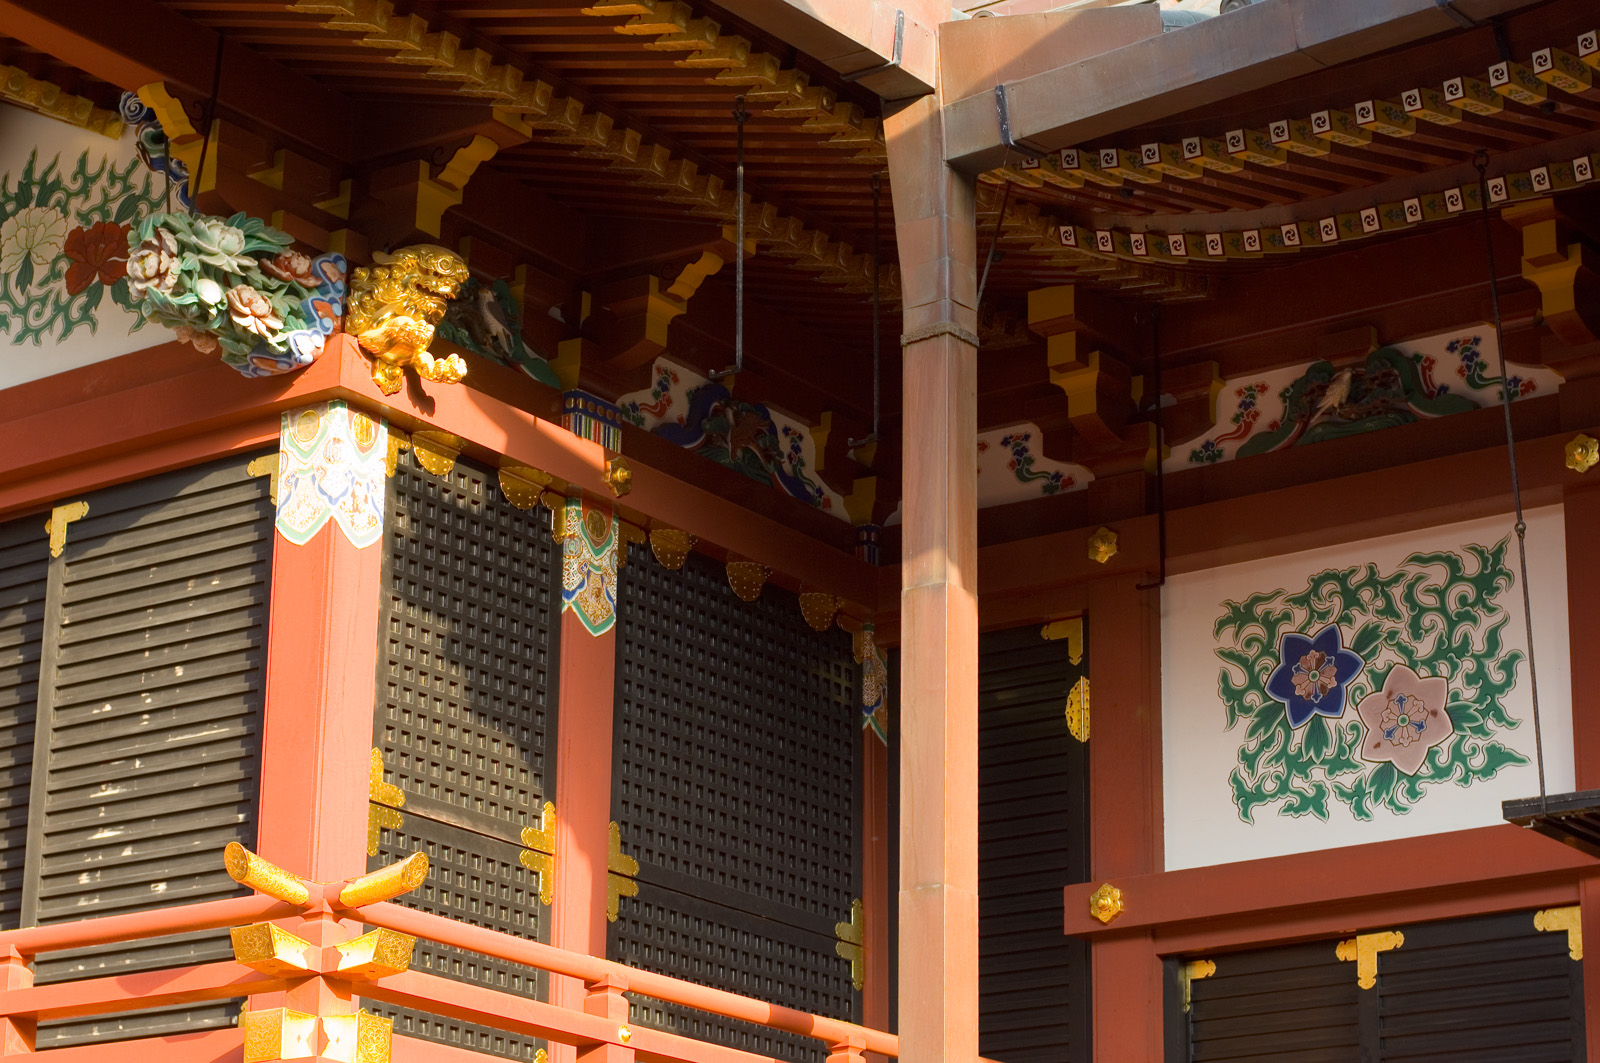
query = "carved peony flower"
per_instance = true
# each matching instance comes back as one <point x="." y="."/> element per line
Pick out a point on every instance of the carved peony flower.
<point x="199" y="339"/>
<point x="209" y="291"/>
<point x="253" y="311"/>
<point x="219" y="244"/>
<point x="32" y="233"/>
<point x="1312" y="673"/>
<point x="290" y="265"/>
<point x="153" y="264"/>
<point x="1405" y="719"/>
<point x="99" y="252"/>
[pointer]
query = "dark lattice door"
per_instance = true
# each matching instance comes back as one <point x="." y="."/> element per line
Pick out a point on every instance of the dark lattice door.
<point x="736" y="776"/>
<point x="466" y="705"/>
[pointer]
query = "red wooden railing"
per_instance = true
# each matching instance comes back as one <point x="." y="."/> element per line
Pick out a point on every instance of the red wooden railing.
<point x="600" y="1031"/>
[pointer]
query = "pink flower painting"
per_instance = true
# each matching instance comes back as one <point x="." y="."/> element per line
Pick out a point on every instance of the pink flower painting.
<point x="1405" y="719"/>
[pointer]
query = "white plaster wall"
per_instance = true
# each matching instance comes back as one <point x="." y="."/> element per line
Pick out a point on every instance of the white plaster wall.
<point x="112" y="333"/>
<point x="1202" y="824"/>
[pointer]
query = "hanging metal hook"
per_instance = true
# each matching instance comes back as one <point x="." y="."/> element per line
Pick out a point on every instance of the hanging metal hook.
<point x="740" y="117"/>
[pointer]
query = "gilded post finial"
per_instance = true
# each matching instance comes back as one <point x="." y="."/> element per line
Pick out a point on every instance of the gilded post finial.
<point x="386" y="883"/>
<point x="619" y="476"/>
<point x="248" y="869"/>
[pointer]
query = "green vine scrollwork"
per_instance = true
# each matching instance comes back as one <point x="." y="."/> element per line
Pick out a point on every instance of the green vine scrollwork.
<point x="1438" y="615"/>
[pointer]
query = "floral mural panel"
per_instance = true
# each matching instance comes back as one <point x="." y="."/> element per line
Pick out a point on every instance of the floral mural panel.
<point x="1453" y="372"/>
<point x="1369" y="691"/>
<point x="68" y="199"/>
<point x="764" y="443"/>
<point x="1012" y="467"/>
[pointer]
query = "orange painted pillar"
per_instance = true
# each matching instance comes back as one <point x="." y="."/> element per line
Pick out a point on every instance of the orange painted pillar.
<point x="1581" y="510"/>
<point x="322" y="659"/>
<point x="935" y="222"/>
<point x="875" y="880"/>
<point x="584" y="709"/>
<point x="1125" y="808"/>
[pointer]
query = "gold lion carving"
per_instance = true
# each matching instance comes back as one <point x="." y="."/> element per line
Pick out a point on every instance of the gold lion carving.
<point x="394" y="307"/>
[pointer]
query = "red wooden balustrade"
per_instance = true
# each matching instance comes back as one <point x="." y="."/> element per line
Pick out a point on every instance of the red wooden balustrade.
<point x="600" y="1030"/>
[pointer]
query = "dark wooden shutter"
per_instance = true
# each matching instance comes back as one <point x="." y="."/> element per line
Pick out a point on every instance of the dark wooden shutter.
<point x="148" y="735"/>
<point x="738" y="747"/>
<point x="1489" y="989"/>
<point x="1492" y="989"/>
<point x="465" y="718"/>
<point x="1295" y="1004"/>
<point x="24" y="556"/>
<point x="1033" y="820"/>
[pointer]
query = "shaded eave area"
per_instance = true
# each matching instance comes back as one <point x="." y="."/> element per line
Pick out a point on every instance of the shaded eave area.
<point x="1169" y="73"/>
<point x="857" y="37"/>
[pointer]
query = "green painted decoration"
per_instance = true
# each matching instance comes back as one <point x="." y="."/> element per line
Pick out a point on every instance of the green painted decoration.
<point x="1367" y="688"/>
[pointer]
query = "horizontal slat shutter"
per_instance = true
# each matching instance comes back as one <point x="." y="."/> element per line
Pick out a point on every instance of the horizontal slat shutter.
<point x="1032" y="841"/>
<point x="1492" y="989"/>
<point x="735" y="785"/>
<point x="1294" y="1004"/>
<point x="465" y="718"/>
<point x="152" y="689"/>
<point x="24" y="557"/>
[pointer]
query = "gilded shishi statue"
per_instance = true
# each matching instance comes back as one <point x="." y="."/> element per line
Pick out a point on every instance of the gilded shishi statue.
<point x="394" y="307"/>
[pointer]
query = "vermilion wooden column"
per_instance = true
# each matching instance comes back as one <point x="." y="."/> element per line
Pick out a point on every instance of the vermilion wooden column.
<point x="1581" y="510"/>
<point x="583" y="802"/>
<point x="875" y="883"/>
<point x="935" y="222"/>
<point x="322" y="659"/>
<point x="1125" y="808"/>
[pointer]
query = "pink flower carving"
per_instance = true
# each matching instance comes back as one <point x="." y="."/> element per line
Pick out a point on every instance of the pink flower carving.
<point x="1405" y="719"/>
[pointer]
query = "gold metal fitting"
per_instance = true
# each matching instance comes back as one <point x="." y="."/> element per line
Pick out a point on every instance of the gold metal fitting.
<point x="386" y="883"/>
<point x="619" y="477"/>
<point x="248" y="869"/>
<point x="270" y="949"/>
<point x="375" y="954"/>
<point x="278" y="1033"/>
<point x="1582" y="453"/>
<point x="624" y="1034"/>
<point x="1102" y="546"/>
<point x="1105" y="903"/>
<point x="1364" y="949"/>
<point x="358" y="1038"/>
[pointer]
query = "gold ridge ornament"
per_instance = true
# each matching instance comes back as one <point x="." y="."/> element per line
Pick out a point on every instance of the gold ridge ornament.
<point x="394" y="307"/>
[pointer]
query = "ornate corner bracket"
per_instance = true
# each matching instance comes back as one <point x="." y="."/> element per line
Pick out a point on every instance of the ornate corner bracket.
<point x="1192" y="972"/>
<point x="1078" y="710"/>
<point x="1569" y="919"/>
<point x="540" y="854"/>
<point x="1364" y="949"/>
<point x="384" y="802"/>
<point x="56" y="526"/>
<point x="852" y="944"/>
<point x="622" y="873"/>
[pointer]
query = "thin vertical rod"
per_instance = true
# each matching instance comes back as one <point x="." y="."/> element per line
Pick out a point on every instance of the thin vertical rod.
<point x="1511" y="451"/>
<point x="740" y="117"/>
<point x="877" y="310"/>
<point x="1161" y="440"/>
<point x="209" y="117"/>
<point x="877" y="302"/>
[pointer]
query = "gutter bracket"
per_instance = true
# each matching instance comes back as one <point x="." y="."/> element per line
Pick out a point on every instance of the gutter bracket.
<point x="1465" y="21"/>
<point x="894" y="56"/>
<point x="1002" y="105"/>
